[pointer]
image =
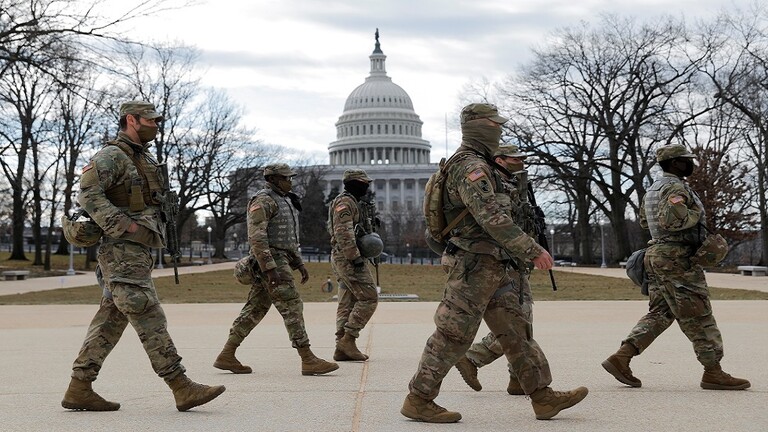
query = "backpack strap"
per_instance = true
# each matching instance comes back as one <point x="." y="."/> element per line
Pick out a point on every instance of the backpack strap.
<point x="455" y="157"/>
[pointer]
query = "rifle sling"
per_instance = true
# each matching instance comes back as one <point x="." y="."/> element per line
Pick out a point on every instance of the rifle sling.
<point x="454" y="222"/>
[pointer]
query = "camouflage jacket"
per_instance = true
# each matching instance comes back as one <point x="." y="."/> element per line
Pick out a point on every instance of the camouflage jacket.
<point x="343" y="215"/>
<point x="671" y="210"/>
<point x="112" y="167"/>
<point x="520" y="212"/>
<point x="264" y="210"/>
<point x="488" y="228"/>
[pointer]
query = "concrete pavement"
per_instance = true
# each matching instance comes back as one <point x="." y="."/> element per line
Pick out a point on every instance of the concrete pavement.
<point x="38" y="344"/>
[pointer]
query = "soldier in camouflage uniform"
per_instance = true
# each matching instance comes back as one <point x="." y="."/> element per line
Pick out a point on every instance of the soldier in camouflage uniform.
<point x="489" y="349"/>
<point x="357" y="292"/>
<point x="678" y="291"/>
<point x="273" y="234"/>
<point x="120" y="189"/>
<point x="479" y="286"/>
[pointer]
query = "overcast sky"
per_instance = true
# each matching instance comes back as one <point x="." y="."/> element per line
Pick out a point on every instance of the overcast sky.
<point x="292" y="63"/>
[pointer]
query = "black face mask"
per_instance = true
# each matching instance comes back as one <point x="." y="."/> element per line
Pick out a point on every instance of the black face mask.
<point x="356" y="188"/>
<point x="688" y="166"/>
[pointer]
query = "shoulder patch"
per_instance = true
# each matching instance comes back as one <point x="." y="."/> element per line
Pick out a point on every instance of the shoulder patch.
<point x="87" y="167"/>
<point x="676" y="199"/>
<point x="254" y="206"/>
<point x="341" y="207"/>
<point x="476" y="174"/>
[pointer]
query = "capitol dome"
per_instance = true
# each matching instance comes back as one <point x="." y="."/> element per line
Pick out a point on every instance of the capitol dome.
<point x="379" y="125"/>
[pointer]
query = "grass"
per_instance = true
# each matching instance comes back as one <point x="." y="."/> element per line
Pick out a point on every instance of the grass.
<point x="425" y="281"/>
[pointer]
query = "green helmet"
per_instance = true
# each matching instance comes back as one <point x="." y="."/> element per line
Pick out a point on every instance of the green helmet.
<point x="370" y="245"/>
<point x="81" y="233"/>
<point x="711" y="252"/>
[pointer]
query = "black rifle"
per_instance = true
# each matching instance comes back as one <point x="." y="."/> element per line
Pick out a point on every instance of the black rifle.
<point x="169" y="211"/>
<point x="539" y="225"/>
<point x="370" y="223"/>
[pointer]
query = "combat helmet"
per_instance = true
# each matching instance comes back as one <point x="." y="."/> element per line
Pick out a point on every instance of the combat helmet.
<point x="370" y="245"/>
<point x="81" y="233"/>
<point x="712" y="250"/>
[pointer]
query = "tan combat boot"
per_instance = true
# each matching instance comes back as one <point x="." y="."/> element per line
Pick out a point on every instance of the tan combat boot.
<point x="715" y="379"/>
<point x="428" y="411"/>
<point x="547" y="402"/>
<point x="312" y="365"/>
<point x="189" y="394"/>
<point x="80" y="396"/>
<point x="346" y="346"/>
<point x="618" y="365"/>
<point x="227" y="360"/>
<point x="468" y="372"/>
<point x="514" y="387"/>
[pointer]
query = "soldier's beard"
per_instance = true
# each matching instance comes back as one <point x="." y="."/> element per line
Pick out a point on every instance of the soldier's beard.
<point x="482" y="136"/>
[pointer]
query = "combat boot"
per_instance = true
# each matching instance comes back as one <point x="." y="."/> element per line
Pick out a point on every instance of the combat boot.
<point x="715" y="379"/>
<point x="189" y="394"/>
<point x="618" y="365"/>
<point x="80" y="396"/>
<point x="514" y="387"/>
<point x="468" y="372"/>
<point x="312" y="365"/>
<point x="547" y="402"/>
<point x="428" y="411"/>
<point x="346" y="345"/>
<point x="227" y="360"/>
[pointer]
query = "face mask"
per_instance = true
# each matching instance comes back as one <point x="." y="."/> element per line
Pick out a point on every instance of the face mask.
<point x="483" y="135"/>
<point x="687" y="168"/>
<point x="146" y="133"/>
<point x="356" y="188"/>
<point x="284" y="184"/>
<point x="515" y="166"/>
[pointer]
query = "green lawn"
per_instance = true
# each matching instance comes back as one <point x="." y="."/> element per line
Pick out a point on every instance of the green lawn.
<point x="425" y="281"/>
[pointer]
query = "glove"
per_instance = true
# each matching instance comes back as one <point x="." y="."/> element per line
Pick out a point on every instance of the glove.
<point x="304" y="274"/>
<point x="359" y="264"/>
<point x="273" y="278"/>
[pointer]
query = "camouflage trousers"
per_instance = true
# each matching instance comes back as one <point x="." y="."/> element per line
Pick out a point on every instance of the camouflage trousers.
<point x="678" y="292"/>
<point x="262" y="296"/>
<point x="357" y="297"/>
<point x="489" y="349"/>
<point x="478" y="288"/>
<point x="124" y="272"/>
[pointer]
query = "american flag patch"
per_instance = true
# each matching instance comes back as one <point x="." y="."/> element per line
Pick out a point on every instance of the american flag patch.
<point x="87" y="167"/>
<point x="476" y="174"/>
<point x="676" y="199"/>
<point x="254" y="207"/>
<point x="341" y="207"/>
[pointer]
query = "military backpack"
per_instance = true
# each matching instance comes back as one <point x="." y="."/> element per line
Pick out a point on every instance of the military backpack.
<point x="434" y="198"/>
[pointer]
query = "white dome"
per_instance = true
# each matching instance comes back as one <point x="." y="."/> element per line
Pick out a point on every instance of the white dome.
<point x="379" y="124"/>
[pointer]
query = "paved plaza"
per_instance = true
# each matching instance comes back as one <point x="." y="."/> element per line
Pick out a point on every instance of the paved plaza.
<point x="38" y="344"/>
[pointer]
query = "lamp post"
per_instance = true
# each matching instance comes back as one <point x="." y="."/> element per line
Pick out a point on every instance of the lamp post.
<point x="408" y="248"/>
<point x="71" y="269"/>
<point x="552" y="233"/>
<point x="602" y="242"/>
<point x="237" y="246"/>
<point x="209" y="229"/>
<point x="160" y="258"/>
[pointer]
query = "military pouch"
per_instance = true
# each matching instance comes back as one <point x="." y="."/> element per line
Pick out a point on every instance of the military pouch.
<point x="636" y="270"/>
<point x="244" y="270"/>
<point x="451" y="249"/>
<point x="136" y="199"/>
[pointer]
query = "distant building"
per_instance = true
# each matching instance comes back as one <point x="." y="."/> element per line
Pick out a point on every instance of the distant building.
<point x="380" y="132"/>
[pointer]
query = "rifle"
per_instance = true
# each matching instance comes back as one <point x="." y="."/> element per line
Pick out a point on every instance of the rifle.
<point x="370" y="222"/>
<point x="169" y="212"/>
<point x="539" y="225"/>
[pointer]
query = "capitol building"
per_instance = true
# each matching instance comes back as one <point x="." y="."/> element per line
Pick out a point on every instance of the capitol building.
<point x="380" y="132"/>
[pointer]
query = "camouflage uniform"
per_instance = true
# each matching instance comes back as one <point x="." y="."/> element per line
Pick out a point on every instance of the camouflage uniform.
<point x="357" y="292"/>
<point x="125" y="259"/>
<point x="677" y="290"/>
<point x="273" y="234"/>
<point x="479" y="285"/>
<point x="489" y="349"/>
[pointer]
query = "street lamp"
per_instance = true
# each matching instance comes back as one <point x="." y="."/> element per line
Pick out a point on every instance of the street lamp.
<point x="209" y="229"/>
<point x="160" y="258"/>
<point x="237" y="246"/>
<point x="602" y="242"/>
<point x="552" y="233"/>
<point x="71" y="270"/>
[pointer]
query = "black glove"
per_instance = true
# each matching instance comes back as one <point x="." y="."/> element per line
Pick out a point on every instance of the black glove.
<point x="359" y="264"/>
